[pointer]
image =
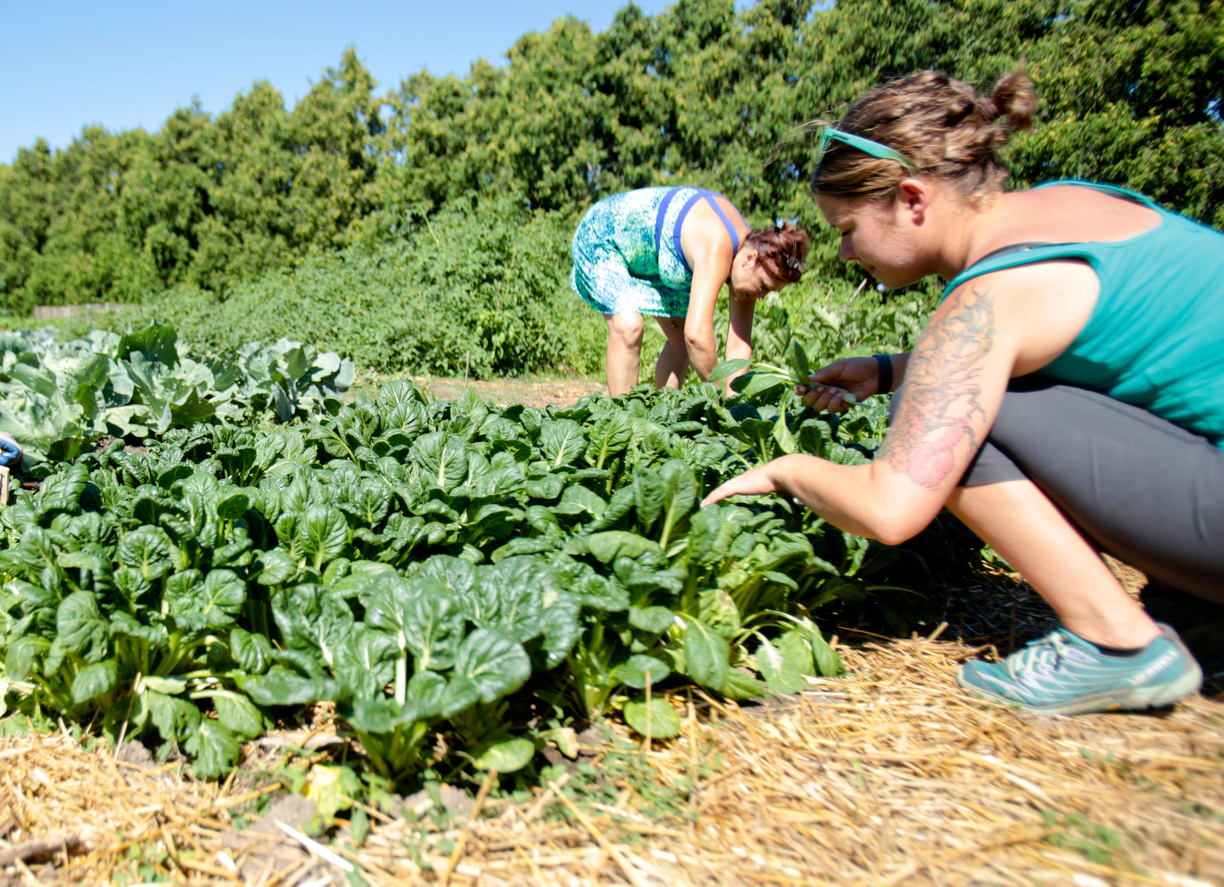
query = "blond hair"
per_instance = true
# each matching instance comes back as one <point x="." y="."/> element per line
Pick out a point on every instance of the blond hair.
<point x="939" y="124"/>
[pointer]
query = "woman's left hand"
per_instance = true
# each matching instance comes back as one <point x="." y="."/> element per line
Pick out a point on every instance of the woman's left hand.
<point x="757" y="482"/>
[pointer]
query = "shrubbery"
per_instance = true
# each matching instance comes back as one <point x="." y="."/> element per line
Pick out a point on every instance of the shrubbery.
<point x="481" y="291"/>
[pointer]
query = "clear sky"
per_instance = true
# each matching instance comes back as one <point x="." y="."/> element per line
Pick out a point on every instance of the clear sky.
<point x="130" y="63"/>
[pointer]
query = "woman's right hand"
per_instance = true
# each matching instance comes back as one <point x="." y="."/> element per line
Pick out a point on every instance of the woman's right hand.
<point x="858" y="375"/>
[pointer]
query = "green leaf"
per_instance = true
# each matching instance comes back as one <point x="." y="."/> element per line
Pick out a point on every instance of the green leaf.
<point x="636" y="669"/>
<point x="827" y="661"/>
<point x="23" y="654"/>
<point x="799" y="361"/>
<point x="95" y="680"/>
<point x="795" y="649"/>
<point x="274" y="567"/>
<point x="495" y="662"/>
<point x="323" y="535"/>
<point x="214" y="749"/>
<point x="252" y="652"/>
<point x="82" y="627"/>
<point x="680" y="495"/>
<point x="175" y="718"/>
<point x="503" y="754"/>
<point x="576" y="499"/>
<point x="157" y="342"/>
<point x="561" y="442"/>
<point x="763" y="386"/>
<point x="147" y="550"/>
<point x="706" y="654"/>
<point x="717" y="609"/>
<point x="443" y="459"/>
<point x="610" y="545"/>
<point x="782" y="434"/>
<point x="283" y="687"/>
<point x="510" y="597"/>
<point x="655" y="620"/>
<point x="132" y="584"/>
<point x="647" y="497"/>
<point x="723" y="370"/>
<point x="364" y="662"/>
<point x="203" y="483"/>
<point x="709" y="538"/>
<point x="780" y="675"/>
<point x="221" y="598"/>
<point x="232" y="505"/>
<point x="562" y="626"/>
<point x="238" y="715"/>
<point x="435" y="696"/>
<point x="664" y="723"/>
<point x="741" y="686"/>
<point x="169" y="686"/>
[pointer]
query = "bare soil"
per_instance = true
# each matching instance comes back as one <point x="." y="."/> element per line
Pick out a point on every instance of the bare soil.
<point x="562" y="392"/>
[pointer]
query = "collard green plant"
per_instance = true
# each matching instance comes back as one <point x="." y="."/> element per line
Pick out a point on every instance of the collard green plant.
<point x="60" y="398"/>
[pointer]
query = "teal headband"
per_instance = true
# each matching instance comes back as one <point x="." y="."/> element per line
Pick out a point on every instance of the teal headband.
<point x="867" y="146"/>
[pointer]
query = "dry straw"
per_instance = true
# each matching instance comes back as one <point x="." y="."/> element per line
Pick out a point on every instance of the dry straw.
<point x="889" y="776"/>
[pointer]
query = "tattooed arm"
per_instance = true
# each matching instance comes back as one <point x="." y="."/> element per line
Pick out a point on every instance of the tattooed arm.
<point x="940" y="416"/>
<point x="953" y="384"/>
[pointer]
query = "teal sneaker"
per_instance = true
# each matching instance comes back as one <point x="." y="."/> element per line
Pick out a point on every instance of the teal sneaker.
<point x="1063" y="674"/>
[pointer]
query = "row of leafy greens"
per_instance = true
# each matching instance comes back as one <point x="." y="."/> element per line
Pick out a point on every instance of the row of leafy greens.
<point x="493" y="575"/>
<point x="58" y="398"/>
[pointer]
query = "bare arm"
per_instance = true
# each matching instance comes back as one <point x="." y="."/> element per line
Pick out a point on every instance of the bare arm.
<point x="709" y="252"/>
<point x="739" y="331"/>
<point x="699" y="323"/>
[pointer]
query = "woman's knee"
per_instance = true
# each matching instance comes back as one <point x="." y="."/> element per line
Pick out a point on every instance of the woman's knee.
<point x="626" y="328"/>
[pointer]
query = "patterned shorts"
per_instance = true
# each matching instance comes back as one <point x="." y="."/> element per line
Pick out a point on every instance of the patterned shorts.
<point x="601" y="275"/>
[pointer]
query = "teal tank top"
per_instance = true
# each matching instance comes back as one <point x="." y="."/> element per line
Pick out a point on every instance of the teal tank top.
<point x="1156" y="334"/>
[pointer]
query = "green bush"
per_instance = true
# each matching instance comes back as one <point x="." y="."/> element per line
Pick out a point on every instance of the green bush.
<point x="481" y="290"/>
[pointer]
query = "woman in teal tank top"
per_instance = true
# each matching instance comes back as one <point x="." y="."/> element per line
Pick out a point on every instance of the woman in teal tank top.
<point x="666" y="253"/>
<point x="1065" y="399"/>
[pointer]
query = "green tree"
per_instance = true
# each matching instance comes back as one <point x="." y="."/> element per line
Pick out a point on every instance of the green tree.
<point x="701" y="93"/>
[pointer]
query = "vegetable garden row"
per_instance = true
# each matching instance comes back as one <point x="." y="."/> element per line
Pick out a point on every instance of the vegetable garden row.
<point x="495" y="575"/>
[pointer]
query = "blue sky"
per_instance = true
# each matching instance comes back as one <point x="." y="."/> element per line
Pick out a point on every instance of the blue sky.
<point x="129" y="63"/>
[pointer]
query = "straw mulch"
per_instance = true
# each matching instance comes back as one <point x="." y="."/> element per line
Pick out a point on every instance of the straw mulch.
<point x="888" y="776"/>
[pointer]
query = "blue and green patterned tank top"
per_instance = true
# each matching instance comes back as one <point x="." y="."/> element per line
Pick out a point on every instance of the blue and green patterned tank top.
<point x="644" y="227"/>
<point x="1155" y="335"/>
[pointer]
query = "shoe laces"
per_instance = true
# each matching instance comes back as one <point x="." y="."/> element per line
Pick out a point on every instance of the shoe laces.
<point x="1042" y="657"/>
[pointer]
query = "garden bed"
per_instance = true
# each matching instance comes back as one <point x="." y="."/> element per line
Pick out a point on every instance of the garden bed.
<point x="886" y="775"/>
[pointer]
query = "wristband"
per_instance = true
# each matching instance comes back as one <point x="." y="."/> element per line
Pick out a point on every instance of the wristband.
<point x="884" y="365"/>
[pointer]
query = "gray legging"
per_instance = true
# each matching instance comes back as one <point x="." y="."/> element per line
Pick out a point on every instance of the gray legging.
<point x="1144" y="490"/>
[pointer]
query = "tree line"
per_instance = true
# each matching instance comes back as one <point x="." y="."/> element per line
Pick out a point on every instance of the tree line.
<point x="701" y="93"/>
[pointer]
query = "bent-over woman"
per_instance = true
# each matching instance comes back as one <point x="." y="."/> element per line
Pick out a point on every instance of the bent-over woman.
<point x="666" y="253"/>
<point x="1064" y="400"/>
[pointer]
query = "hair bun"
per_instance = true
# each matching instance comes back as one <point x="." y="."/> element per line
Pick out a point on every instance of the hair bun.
<point x="1013" y="97"/>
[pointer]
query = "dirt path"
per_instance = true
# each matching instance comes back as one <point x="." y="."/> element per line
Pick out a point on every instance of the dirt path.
<point x="562" y="392"/>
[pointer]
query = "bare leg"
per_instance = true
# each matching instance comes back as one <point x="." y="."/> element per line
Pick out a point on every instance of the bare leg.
<point x="673" y="361"/>
<point x="1017" y="520"/>
<point x="624" y="355"/>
